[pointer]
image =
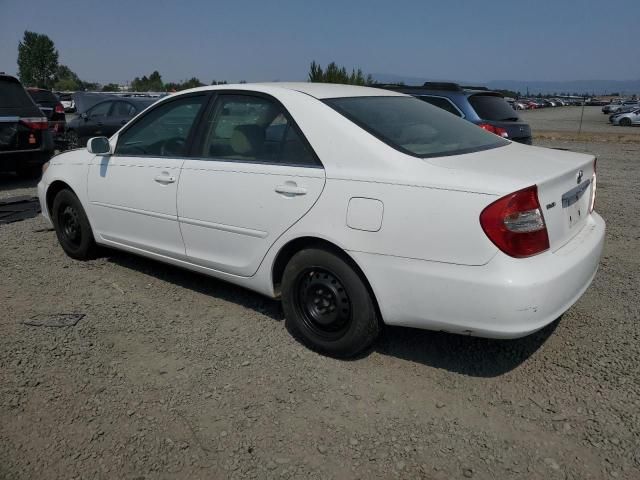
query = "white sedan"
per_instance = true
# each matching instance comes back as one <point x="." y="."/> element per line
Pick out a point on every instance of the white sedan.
<point x="356" y="206"/>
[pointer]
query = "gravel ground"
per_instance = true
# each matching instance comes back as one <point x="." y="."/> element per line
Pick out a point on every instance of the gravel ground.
<point x="174" y="375"/>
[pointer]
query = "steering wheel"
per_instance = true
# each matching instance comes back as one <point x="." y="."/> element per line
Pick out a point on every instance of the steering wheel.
<point x="172" y="146"/>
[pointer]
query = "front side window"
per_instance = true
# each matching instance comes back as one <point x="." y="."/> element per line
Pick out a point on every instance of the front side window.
<point x="162" y="132"/>
<point x="253" y="129"/>
<point x="123" y="109"/>
<point x="415" y="127"/>
<point x="100" y="110"/>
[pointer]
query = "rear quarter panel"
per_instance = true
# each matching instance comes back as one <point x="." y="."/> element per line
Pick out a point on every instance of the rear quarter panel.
<point x="418" y="222"/>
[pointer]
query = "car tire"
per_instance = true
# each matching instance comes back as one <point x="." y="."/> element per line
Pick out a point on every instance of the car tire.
<point x="327" y="305"/>
<point x="625" y="122"/>
<point x="72" y="226"/>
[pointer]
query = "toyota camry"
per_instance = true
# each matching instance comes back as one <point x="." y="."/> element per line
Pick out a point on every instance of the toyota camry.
<point x="356" y="206"/>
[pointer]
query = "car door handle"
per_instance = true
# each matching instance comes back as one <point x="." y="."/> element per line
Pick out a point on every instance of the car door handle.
<point x="164" y="179"/>
<point x="291" y="190"/>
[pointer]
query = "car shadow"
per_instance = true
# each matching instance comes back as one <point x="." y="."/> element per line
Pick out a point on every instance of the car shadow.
<point x="470" y="356"/>
<point x="197" y="282"/>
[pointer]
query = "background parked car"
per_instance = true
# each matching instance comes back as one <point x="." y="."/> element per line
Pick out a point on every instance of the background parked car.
<point x="25" y="140"/>
<point x="626" y="119"/>
<point x="617" y="106"/>
<point x="485" y="108"/>
<point x="104" y="119"/>
<point x="67" y="102"/>
<point x="53" y="109"/>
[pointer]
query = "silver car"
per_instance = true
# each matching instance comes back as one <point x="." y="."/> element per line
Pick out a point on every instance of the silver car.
<point x="627" y="119"/>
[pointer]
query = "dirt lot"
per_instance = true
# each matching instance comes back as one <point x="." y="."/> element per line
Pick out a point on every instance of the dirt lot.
<point x="174" y="375"/>
<point x="563" y="123"/>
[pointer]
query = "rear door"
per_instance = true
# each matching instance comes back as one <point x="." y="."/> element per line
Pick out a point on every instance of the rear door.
<point x="253" y="177"/>
<point x="132" y="193"/>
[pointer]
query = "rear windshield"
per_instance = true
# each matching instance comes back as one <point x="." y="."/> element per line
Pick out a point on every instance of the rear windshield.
<point x="12" y="95"/>
<point x="489" y="107"/>
<point x="415" y="127"/>
<point x="42" y="96"/>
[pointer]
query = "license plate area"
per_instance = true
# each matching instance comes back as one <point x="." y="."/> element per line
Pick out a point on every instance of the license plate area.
<point x="575" y="204"/>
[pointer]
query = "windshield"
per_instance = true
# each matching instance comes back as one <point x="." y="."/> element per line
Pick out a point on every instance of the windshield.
<point x="489" y="107"/>
<point x="415" y="127"/>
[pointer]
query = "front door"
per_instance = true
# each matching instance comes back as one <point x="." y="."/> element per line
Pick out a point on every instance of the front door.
<point x="132" y="193"/>
<point x="252" y="177"/>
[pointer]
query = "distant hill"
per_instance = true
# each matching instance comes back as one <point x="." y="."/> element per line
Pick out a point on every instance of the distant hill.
<point x="594" y="87"/>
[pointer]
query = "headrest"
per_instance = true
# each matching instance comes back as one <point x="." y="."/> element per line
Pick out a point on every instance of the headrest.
<point x="247" y="139"/>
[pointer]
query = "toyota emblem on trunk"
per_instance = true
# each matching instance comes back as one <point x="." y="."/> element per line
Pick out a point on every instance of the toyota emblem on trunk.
<point x="579" y="176"/>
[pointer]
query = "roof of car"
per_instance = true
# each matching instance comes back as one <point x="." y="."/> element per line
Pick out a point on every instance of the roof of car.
<point x="316" y="90"/>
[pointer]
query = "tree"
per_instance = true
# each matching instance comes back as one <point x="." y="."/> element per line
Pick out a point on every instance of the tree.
<point x="66" y="79"/>
<point x="334" y="74"/>
<point x="153" y="83"/>
<point x="37" y="60"/>
<point x="111" y="87"/>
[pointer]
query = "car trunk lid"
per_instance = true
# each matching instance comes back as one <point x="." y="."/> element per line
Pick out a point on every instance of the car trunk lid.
<point x="564" y="180"/>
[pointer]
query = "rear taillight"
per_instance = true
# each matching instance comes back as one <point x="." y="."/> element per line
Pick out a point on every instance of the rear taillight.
<point x="592" y="201"/>
<point x="501" y="132"/>
<point x="59" y="108"/>
<point x="515" y="224"/>
<point x="35" y="123"/>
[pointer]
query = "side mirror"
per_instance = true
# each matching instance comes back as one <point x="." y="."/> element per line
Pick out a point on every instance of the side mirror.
<point x="99" y="146"/>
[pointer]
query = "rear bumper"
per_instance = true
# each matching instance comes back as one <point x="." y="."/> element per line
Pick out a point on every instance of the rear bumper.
<point x="505" y="298"/>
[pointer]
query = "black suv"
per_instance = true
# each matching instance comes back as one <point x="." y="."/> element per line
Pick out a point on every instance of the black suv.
<point x="25" y="139"/>
<point x="485" y="108"/>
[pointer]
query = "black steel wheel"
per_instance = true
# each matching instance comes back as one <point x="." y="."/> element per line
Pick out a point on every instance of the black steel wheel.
<point x="72" y="226"/>
<point x="323" y="303"/>
<point x="327" y="303"/>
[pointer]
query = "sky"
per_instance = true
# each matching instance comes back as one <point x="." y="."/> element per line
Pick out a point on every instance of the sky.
<point x="249" y="40"/>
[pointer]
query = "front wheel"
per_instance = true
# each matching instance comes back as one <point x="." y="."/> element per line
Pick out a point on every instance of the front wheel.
<point x="625" y="122"/>
<point x="72" y="226"/>
<point x="327" y="305"/>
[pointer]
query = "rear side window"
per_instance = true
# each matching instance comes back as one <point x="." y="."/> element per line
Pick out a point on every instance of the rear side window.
<point x="162" y="132"/>
<point x="443" y="103"/>
<point x="489" y="107"/>
<point x="254" y="129"/>
<point x="12" y="95"/>
<point x="414" y="126"/>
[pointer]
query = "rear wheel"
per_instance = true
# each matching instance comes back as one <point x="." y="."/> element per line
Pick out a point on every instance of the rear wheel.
<point x="625" y="122"/>
<point x="72" y="226"/>
<point x="327" y="305"/>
